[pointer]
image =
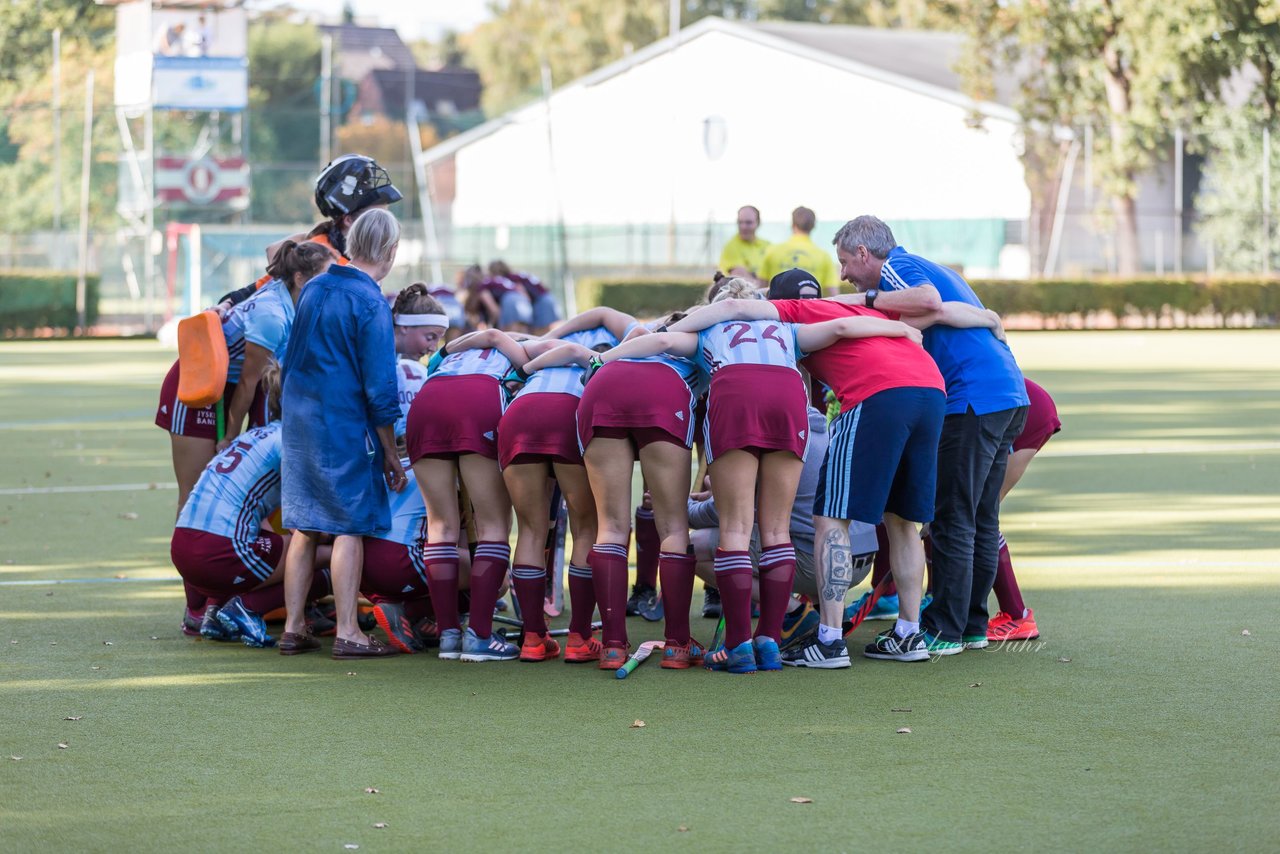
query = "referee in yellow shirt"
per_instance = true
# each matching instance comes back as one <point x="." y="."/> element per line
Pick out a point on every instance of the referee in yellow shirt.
<point x="800" y="251"/>
<point x="744" y="252"/>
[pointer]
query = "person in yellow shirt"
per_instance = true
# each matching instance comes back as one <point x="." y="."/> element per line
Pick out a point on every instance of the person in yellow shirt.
<point x="744" y="252"/>
<point x="800" y="251"/>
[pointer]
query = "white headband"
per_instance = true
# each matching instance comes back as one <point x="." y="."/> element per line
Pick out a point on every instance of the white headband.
<point x="422" y="320"/>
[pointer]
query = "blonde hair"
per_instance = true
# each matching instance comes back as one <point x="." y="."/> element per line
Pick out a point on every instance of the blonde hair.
<point x="732" y="288"/>
<point x="271" y="384"/>
<point x="373" y="236"/>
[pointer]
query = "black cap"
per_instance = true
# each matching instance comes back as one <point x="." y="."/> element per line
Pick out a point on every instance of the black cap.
<point x="794" y="284"/>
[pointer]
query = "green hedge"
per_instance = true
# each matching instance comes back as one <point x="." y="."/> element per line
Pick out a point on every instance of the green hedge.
<point x="37" y="299"/>
<point x="1057" y="299"/>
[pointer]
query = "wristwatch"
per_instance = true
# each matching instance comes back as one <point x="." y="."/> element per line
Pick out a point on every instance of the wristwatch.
<point x="871" y="295"/>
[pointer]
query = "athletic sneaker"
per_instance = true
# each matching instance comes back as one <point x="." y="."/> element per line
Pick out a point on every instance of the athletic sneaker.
<point x="799" y="625"/>
<point x="711" y="603"/>
<point x="889" y="647"/>
<point x="682" y="656"/>
<point x="999" y="618"/>
<point x="815" y="653"/>
<point x="493" y="648"/>
<point x="975" y="641"/>
<point x="925" y="601"/>
<point x="886" y="608"/>
<point x="450" y="644"/>
<point x="642" y="598"/>
<point x="938" y="646"/>
<point x="578" y="649"/>
<point x="740" y="659"/>
<point x="768" y="656"/>
<point x="211" y="629"/>
<point x="191" y="623"/>
<point x="320" y="624"/>
<point x="235" y="617"/>
<point x="395" y="624"/>
<point x="613" y="657"/>
<point x="427" y="632"/>
<point x="537" y="648"/>
<point x="1014" y="630"/>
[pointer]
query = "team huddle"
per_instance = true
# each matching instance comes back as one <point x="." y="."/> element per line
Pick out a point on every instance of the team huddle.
<point x="399" y="447"/>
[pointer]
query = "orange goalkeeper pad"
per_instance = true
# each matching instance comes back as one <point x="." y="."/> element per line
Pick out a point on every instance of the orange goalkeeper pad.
<point x="202" y="359"/>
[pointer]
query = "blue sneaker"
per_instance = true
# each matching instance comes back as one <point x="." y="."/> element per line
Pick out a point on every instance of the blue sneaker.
<point x="886" y="607"/>
<point x="938" y="646"/>
<point x="451" y="644"/>
<point x="740" y="659"/>
<point x="211" y="628"/>
<point x="492" y="648"/>
<point x="799" y="625"/>
<point x="924" y="603"/>
<point x="768" y="656"/>
<point x="235" y="617"/>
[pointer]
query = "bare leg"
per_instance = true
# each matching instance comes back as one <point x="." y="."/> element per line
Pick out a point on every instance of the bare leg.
<point x="833" y="564"/>
<point x="190" y="456"/>
<point x="299" y="565"/>
<point x="348" y="562"/>
<point x="907" y="559"/>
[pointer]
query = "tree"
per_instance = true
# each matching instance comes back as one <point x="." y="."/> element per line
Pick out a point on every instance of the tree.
<point x="1130" y="69"/>
<point x="26" y="27"/>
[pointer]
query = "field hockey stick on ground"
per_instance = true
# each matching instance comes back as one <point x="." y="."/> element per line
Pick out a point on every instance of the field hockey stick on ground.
<point x="637" y="658"/>
<point x="861" y="614"/>
<point x="718" y="637"/>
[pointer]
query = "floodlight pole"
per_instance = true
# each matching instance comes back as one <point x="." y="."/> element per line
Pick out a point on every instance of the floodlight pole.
<point x="326" y="99"/>
<point x="86" y="160"/>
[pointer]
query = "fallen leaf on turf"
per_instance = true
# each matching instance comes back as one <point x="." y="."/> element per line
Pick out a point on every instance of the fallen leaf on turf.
<point x="380" y="824"/>
<point x="638" y="724"/>
<point x="95" y="667"/>
<point x="351" y="846"/>
<point x="50" y="593"/>
<point x="16" y="758"/>
<point x="14" y="642"/>
<point x="802" y="800"/>
<point x="899" y="710"/>
<point x="53" y="643"/>
<point x="906" y="730"/>
<point x="121" y="575"/>
<point x="153" y="637"/>
<point x="153" y="486"/>
<point x="1064" y="660"/>
<point x="975" y="684"/>
<point x="1245" y="633"/>
<point x="371" y="791"/>
<point x="129" y="516"/>
<point x="351" y="673"/>
<point x="107" y="643"/>
<point x="62" y="745"/>
<point x="74" y="718"/>
<point x="682" y="829"/>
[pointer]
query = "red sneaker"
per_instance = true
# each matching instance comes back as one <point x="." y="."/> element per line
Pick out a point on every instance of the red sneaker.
<point x="999" y="618"/>
<point x="682" y="657"/>
<point x="539" y="648"/>
<point x="579" y="649"/>
<point x="1015" y="630"/>
<point x="613" y="657"/>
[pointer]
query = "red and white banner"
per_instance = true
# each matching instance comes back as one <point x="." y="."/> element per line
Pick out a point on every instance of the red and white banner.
<point x="207" y="181"/>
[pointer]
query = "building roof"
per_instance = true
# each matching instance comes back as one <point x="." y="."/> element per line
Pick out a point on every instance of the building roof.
<point x="359" y="50"/>
<point x="440" y="91"/>
<point x="915" y="60"/>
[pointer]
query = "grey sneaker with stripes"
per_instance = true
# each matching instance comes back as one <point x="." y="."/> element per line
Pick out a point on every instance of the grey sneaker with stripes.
<point x="815" y="653"/>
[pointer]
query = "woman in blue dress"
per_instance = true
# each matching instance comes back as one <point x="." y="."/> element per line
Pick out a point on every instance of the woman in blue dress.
<point x="341" y="403"/>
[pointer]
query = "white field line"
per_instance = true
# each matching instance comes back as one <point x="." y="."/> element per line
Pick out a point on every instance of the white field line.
<point x="105" y="487"/>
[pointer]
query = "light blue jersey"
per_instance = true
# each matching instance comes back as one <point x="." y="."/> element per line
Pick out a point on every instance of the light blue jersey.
<point x="568" y="379"/>
<point x="238" y="488"/>
<point x="488" y="362"/>
<point x="233" y="332"/>
<point x="410" y="377"/>
<point x="408" y="514"/>
<point x="268" y="317"/>
<point x="742" y="342"/>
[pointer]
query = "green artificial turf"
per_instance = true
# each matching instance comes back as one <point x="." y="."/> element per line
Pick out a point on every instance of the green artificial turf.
<point x="1146" y="537"/>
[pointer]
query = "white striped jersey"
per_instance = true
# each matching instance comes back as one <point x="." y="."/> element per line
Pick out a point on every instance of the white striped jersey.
<point x="568" y="379"/>
<point x="238" y="488"/>
<point x="410" y="376"/>
<point x="743" y="342"/>
<point x="233" y="332"/>
<point x="408" y="513"/>
<point x="488" y="362"/>
<point x="268" y="318"/>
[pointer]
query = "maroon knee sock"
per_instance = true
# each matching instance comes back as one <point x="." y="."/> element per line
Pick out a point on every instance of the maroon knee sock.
<point x="777" y="575"/>
<point x="648" y="546"/>
<point x="609" y="577"/>
<point x="676" y="571"/>
<point x="488" y="570"/>
<point x="733" y="577"/>
<point x="1006" y="587"/>
<point x="442" y="579"/>
<point x="882" y="565"/>
<point x="582" y="600"/>
<point x="530" y="583"/>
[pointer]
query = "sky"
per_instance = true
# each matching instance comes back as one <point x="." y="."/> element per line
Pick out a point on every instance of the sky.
<point x="414" y="19"/>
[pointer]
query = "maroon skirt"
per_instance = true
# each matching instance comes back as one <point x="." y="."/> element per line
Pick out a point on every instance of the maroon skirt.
<point x="756" y="408"/>
<point x="221" y="567"/>
<point x="453" y="416"/>
<point x="540" y="427"/>
<point x="182" y="420"/>
<point x="645" y="398"/>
